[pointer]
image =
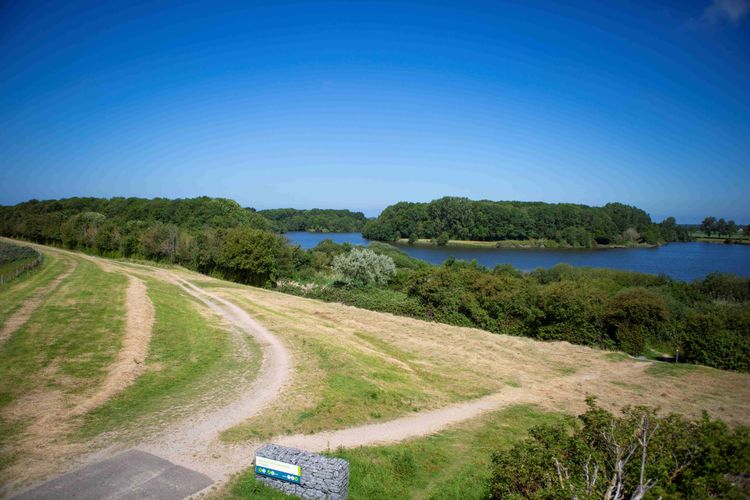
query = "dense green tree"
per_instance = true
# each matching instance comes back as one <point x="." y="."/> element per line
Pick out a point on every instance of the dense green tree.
<point x="159" y="241"/>
<point x="731" y="228"/>
<point x="464" y="219"/>
<point x="314" y="220"/>
<point x="708" y="226"/>
<point x="254" y="256"/>
<point x="721" y="227"/>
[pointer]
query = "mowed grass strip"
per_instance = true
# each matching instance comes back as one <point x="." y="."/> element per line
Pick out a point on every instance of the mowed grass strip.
<point x="13" y="294"/>
<point x="447" y="465"/>
<point x="65" y="346"/>
<point x="70" y="339"/>
<point x="192" y="362"/>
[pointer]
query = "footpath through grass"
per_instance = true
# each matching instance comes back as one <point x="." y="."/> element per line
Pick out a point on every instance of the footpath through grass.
<point x="190" y="355"/>
<point x="64" y="348"/>
<point x="345" y="377"/>
<point x="74" y="334"/>
<point x="448" y="465"/>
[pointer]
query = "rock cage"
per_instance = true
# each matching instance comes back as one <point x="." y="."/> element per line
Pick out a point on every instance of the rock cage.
<point x="322" y="477"/>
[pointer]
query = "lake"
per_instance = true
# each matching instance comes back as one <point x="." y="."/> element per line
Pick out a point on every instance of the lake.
<point x="683" y="261"/>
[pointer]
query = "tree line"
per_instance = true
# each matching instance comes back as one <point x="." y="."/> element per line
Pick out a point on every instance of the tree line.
<point x="315" y="220"/>
<point x="210" y="235"/>
<point x="721" y="227"/>
<point x="566" y="224"/>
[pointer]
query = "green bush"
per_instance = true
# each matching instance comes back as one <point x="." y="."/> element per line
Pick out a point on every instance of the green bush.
<point x="660" y="457"/>
<point x="254" y="256"/>
<point x="633" y="315"/>
<point x="717" y="336"/>
<point x="362" y="267"/>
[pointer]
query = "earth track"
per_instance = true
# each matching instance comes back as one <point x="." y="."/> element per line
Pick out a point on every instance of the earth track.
<point x="195" y="442"/>
<point x="139" y="322"/>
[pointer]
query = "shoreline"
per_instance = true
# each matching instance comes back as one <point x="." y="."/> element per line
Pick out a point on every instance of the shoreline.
<point x="723" y="241"/>
<point x="514" y="244"/>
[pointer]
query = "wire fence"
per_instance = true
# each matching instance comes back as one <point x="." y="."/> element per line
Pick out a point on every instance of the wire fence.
<point x="18" y="271"/>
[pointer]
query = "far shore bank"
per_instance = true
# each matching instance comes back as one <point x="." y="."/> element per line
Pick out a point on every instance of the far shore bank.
<point x="519" y="244"/>
<point x="725" y="241"/>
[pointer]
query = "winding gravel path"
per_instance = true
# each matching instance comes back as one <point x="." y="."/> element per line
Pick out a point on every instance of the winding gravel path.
<point x="194" y="443"/>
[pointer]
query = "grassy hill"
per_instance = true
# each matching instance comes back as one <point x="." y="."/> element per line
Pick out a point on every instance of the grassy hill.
<point x="351" y="368"/>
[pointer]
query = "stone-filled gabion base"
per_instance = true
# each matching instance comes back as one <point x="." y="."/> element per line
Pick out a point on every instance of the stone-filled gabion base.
<point x="322" y="477"/>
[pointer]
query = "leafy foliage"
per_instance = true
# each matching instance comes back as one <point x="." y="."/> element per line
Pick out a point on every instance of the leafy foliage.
<point x="315" y="220"/>
<point x="362" y="267"/>
<point x="254" y="256"/>
<point x="567" y="224"/>
<point x="634" y="455"/>
<point x="12" y="253"/>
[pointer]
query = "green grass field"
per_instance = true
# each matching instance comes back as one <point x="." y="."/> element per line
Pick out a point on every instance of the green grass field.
<point x="737" y="238"/>
<point x="75" y="332"/>
<point x="189" y="355"/>
<point x="448" y="465"/>
<point x="13" y="294"/>
<point x="346" y="381"/>
<point x="65" y="346"/>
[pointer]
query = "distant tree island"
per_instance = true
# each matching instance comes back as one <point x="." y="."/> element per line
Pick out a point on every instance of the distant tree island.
<point x="516" y="223"/>
<point x="316" y="220"/>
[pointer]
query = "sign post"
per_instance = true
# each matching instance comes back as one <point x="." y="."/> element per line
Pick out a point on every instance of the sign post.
<point x="278" y="470"/>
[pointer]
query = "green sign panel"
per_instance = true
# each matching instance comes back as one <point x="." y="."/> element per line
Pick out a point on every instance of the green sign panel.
<point x="278" y="470"/>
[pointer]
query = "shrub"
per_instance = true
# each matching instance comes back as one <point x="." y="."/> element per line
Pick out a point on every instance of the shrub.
<point x="717" y="336"/>
<point x="659" y="456"/>
<point x="254" y="256"/>
<point x="725" y="287"/>
<point x="364" y="267"/>
<point x="569" y="311"/>
<point x="633" y="315"/>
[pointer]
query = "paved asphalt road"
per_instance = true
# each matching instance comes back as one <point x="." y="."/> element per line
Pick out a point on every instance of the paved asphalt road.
<point x="130" y="475"/>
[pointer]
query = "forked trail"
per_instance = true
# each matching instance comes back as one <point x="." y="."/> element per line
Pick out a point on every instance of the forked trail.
<point x="195" y="442"/>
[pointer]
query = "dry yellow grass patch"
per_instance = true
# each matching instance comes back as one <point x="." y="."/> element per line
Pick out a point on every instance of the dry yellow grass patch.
<point x="433" y="365"/>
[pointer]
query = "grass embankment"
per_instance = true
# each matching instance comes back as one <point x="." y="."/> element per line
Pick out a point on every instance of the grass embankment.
<point x="451" y="464"/>
<point x="75" y="332"/>
<point x="354" y="366"/>
<point x="63" y="350"/>
<point x="348" y="374"/>
<point x="189" y="356"/>
<point x="17" y="291"/>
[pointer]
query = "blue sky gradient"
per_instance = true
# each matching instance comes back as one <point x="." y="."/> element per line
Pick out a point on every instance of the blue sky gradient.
<point x="363" y="104"/>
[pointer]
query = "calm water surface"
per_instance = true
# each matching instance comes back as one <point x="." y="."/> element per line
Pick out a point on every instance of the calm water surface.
<point x="684" y="261"/>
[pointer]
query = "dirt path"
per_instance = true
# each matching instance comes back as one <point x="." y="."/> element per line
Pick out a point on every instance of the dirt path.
<point x="22" y="315"/>
<point x="194" y="443"/>
<point x="417" y="425"/>
<point x="139" y="322"/>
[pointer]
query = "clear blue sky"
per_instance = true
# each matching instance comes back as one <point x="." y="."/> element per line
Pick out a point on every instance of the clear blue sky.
<point x="362" y="104"/>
